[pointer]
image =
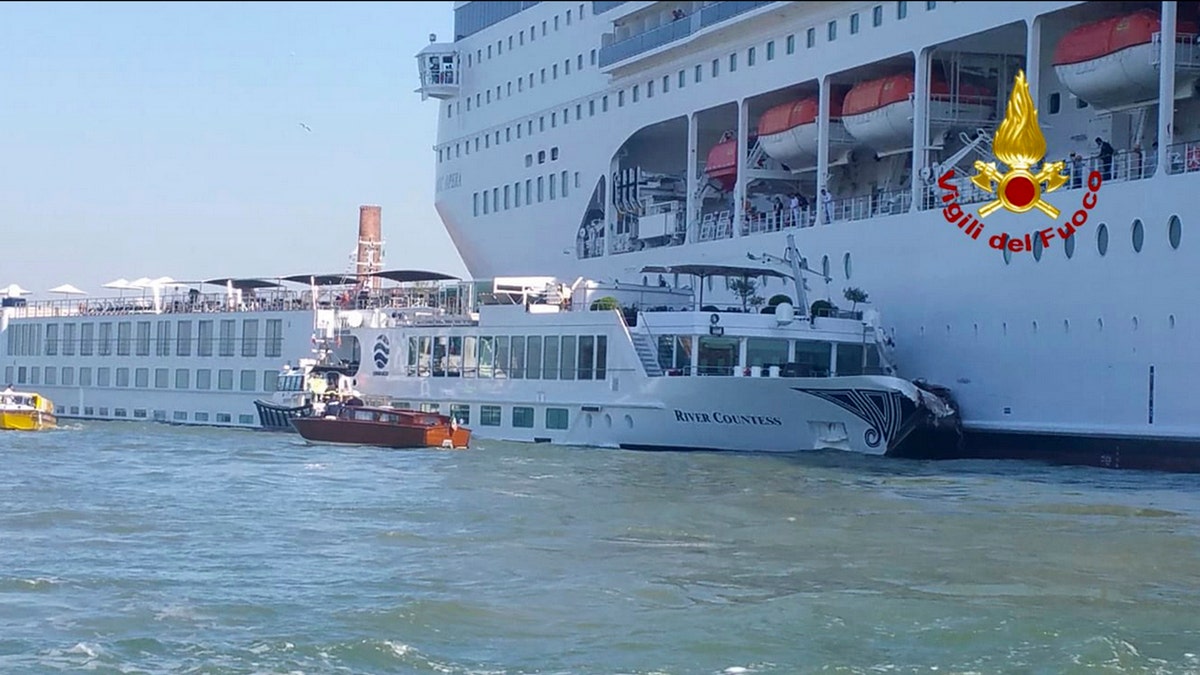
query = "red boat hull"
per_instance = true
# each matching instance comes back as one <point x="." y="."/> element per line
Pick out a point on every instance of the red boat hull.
<point x="382" y="434"/>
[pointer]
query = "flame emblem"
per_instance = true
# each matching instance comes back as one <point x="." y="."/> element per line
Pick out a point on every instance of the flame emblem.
<point x="1019" y="143"/>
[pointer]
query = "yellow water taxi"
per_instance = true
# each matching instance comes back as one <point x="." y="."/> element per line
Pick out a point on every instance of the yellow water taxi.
<point x="26" y="411"/>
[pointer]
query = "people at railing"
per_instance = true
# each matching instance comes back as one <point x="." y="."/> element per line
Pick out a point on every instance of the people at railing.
<point x="1106" y="158"/>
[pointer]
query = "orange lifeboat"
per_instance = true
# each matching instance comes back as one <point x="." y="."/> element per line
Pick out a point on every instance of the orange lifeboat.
<point x="722" y="163"/>
<point x="879" y="112"/>
<point x="788" y="132"/>
<point x="1111" y="62"/>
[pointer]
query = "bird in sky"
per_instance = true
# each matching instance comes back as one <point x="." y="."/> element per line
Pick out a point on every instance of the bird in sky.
<point x="305" y="127"/>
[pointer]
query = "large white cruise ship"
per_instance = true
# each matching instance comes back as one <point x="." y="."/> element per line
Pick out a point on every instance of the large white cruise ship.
<point x="600" y="138"/>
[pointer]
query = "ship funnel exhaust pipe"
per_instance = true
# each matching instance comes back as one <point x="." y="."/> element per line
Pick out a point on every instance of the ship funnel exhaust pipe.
<point x="370" y="246"/>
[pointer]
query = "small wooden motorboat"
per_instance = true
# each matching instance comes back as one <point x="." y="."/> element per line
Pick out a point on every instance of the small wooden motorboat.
<point x="26" y="411"/>
<point x="385" y="427"/>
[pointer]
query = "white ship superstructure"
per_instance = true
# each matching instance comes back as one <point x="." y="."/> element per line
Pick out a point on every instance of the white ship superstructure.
<point x="182" y="352"/>
<point x="600" y="138"/>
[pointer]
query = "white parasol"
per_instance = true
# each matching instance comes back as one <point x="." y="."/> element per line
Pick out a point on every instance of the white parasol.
<point x="68" y="289"/>
<point x="13" y="291"/>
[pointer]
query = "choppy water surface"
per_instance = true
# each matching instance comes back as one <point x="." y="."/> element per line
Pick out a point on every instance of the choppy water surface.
<point x="150" y="549"/>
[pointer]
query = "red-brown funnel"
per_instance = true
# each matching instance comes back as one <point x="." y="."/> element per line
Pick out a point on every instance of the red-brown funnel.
<point x="370" y="246"/>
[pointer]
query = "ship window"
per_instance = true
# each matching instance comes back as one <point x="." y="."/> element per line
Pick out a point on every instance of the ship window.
<point x="554" y="71"/>
<point x="587" y="356"/>
<point x="270" y="380"/>
<point x="522" y="417"/>
<point x="533" y="360"/>
<point x="516" y="194"/>
<point x="791" y="44"/>
<point x="682" y="80"/>
<point x="516" y="368"/>
<point x="543" y="75"/>
<point x="930" y="6"/>
<point x="750" y="54"/>
<point x="162" y="378"/>
<point x="699" y="73"/>
<point x="68" y="375"/>
<point x="485" y="202"/>
<point x="733" y="63"/>
<point x="810" y="38"/>
<point x="1069" y="246"/>
<point x="489" y="415"/>
<point x="182" y="378"/>
<point x="1037" y="246"/>
<point x="141" y="377"/>
<point x="550" y="358"/>
<point x="460" y="412"/>
<point x="578" y="111"/>
<point x="204" y="378"/>
<point x="1080" y="103"/>
<point x="553" y="186"/>
<point x="506" y="196"/>
<point x="224" y="417"/>
<point x="577" y="185"/>
<point x="592" y="108"/>
<point x="540" y="188"/>
<point x="636" y="90"/>
<point x="854" y="23"/>
<point x="604" y="103"/>
<point x="601" y="357"/>
<point x="716" y="67"/>
<point x="877" y="16"/>
<point x="650" y="89"/>
<point x="52" y="339"/>
<point x="528" y="191"/>
<point x="103" y="376"/>
<point x="556" y="418"/>
<point x="579" y="62"/>
<point x="520" y="39"/>
<point x="51" y="375"/>
<point x="771" y="50"/>
<point x="541" y="156"/>
<point x="901" y="9"/>
<point x="199" y="417"/>
<point x="553" y="154"/>
<point x="1102" y="239"/>
<point x="1174" y="231"/>
<point x="832" y="30"/>
<point x="846" y="266"/>
<point x="475" y="202"/>
<point x="1054" y="103"/>
<point x="568" y="357"/>
<point x="225" y="379"/>
<point x="621" y="98"/>
<point x="1138" y="235"/>
<point x="142" y="346"/>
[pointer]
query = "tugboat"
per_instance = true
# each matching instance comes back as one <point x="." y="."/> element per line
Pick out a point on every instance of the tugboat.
<point x="383" y="427"/>
<point x="305" y="391"/>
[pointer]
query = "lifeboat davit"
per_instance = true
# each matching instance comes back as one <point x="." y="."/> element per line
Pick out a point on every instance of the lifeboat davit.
<point x="879" y="113"/>
<point x="722" y="163"/>
<point x="788" y="132"/>
<point x="1112" y="63"/>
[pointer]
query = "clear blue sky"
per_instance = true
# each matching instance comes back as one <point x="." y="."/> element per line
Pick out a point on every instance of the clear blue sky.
<point x="152" y="139"/>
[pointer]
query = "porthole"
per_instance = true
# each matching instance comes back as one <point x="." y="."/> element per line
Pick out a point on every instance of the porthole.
<point x="628" y="422"/>
<point x="1007" y="255"/>
<point x="1037" y="247"/>
<point x="1174" y="231"/>
<point x="1069" y="246"/>
<point x="1102" y="239"/>
<point x="1138" y="235"/>
<point x="825" y="266"/>
<point x="846" y="265"/>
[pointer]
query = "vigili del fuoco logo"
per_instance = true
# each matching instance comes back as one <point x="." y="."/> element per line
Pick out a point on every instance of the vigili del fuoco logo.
<point x="1019" y="145"/>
